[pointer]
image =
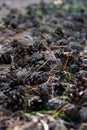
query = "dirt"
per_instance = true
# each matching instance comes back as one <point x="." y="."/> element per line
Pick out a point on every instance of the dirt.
<point x="43" y="66"/>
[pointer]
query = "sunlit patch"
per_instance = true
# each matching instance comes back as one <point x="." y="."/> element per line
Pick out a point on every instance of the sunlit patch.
<point x="85" y="49"/>
<point x="0" y="47"/>
<point x="58" y="2"/>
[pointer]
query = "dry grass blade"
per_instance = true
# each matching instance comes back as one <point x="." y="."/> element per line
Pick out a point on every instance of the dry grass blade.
<point x="45" y="125"/>
<point x="44" y="44"/>
<point x="59" y="46"/>
<point x="42" y="65"/>
<point x="65" y="66"/>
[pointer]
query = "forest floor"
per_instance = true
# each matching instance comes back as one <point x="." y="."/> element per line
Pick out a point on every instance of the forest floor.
<point x="43" y="66"/>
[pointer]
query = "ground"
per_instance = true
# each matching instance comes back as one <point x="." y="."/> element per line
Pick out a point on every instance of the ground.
<point x="43" y="66"/>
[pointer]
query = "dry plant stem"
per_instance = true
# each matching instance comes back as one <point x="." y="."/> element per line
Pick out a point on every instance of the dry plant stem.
<point x="65" y="66"/>
<point x="42" y="65"/>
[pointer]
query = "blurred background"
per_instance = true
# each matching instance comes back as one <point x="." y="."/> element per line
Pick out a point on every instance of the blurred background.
<point x="22" y="3"/>
<point x="5" y="4"/>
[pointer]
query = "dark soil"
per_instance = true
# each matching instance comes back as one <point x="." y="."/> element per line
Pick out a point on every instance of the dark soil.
<point x="43" y="68"/>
